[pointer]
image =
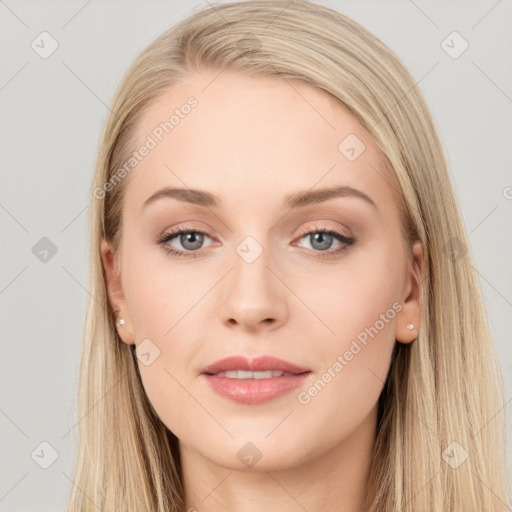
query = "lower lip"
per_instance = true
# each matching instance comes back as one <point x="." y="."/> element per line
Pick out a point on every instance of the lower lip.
<point x="255" y="391"/>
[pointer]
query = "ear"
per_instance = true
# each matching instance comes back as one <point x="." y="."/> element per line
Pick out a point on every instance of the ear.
<point x="116" y="294"/>
<point x="411" y="303"/>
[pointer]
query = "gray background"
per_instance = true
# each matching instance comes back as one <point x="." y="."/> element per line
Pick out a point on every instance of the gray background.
<point x="53" y="110"/>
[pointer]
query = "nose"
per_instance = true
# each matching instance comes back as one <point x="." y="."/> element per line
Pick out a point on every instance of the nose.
<point x="254" y="297"/>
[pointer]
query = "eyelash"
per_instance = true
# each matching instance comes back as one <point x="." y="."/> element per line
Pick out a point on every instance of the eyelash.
<point x="180" y="230"/>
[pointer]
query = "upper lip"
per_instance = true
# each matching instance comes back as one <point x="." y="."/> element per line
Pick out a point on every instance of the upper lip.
<point x="261" y="363"/>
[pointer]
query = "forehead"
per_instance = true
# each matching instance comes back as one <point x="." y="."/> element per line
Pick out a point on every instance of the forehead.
<point x="265" y="135"/>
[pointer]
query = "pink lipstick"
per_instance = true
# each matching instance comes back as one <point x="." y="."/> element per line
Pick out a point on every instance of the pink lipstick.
<point x="254" y="381"/>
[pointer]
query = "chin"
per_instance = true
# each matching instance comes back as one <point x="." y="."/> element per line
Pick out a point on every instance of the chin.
<point x="253" y="452"/>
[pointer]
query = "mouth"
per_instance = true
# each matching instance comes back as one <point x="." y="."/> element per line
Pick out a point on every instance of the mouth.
<point x="254" y="381"/>
<point x="243" y="374"/>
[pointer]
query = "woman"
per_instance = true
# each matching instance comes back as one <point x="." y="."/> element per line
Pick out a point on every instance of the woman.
<point x="285" y="313"/>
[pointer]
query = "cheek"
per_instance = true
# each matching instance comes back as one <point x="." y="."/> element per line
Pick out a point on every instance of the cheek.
<point x="166" y="302"/>
<point x="159" y="293"/>
<point x="346" y="299"/>
<point x="167" y="391"/>
<point x="356" y="307"/>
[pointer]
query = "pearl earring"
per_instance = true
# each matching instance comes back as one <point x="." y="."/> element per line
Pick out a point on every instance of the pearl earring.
<point x="122" y="322"/>
<point x="410" y="326"/>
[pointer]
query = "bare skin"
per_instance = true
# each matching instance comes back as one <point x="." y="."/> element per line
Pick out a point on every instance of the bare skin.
<point x="252" y="142"/>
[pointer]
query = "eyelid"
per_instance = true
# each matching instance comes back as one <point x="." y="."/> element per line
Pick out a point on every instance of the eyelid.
<point x="319" y="228"/>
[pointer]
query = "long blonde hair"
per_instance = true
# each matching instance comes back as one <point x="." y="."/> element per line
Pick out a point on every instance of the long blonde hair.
<point x="443" y="399"/>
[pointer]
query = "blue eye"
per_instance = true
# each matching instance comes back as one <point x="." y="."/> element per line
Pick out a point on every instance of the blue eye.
<point x="190" y="239"/>
<point x="321" y="240"/>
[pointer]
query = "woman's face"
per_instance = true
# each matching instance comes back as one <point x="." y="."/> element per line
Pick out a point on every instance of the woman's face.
<point x="262" y="280"/>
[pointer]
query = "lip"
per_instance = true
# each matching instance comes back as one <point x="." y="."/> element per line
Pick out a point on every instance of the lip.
<point x="257" y="364"/>
<point x="254" y="391"/>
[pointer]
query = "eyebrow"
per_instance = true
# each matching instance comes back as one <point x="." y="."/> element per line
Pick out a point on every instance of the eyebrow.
<point x="292" y="201"/>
